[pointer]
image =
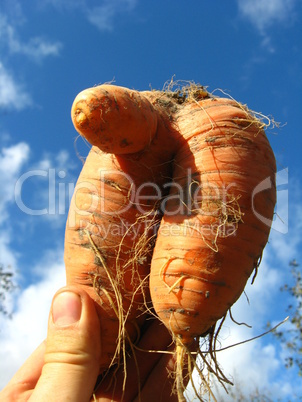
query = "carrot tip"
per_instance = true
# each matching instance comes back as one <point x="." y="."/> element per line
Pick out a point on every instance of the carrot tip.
<point x="115" y="119"/>
<point x="80" y="119"/>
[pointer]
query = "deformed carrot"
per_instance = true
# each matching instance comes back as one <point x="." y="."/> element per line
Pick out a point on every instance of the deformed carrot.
<point x="115" y="209"/>
<point x="198" y="167"/>
<point x="217" y="220"/>
<point x="115" y="119"/>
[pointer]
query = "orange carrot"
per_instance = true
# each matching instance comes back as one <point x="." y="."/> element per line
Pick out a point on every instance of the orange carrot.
<point x="204" y="163"/>
<point x="115" y="119"/>
<point x="211" y="239"/>
<point x="213" y="232"/>
<point x="112" y="221"/>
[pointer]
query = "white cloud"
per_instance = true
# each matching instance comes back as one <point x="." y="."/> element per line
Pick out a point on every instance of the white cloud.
<point x="102" y="16"/>
<point x="263" y="13"/>
<point x="249" y="366"/>
<point x="20" y="335"/>
<point x="12" y="159"/>
<point x="12" y="94"/>
<point x="7" y="257"/>
<point x="51" y="182"/>
<point x="36" y="48"/>
<point x="13" y="9"/>
<point x="12" y="167"/>
<point x="60" y="161"/>
<point x="287" y="243"/>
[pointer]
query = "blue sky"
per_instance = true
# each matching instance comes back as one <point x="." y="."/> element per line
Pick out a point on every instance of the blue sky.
<point x="52" y="49"/>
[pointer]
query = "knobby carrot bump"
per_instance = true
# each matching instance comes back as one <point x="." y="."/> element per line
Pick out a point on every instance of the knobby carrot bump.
<point x="115" y="119"/>
<point x="170" y="215"/>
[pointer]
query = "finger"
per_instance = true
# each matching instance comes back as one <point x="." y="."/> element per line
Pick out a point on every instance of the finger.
<point x="25" y="380"/>
<point x="72" y="354"/>
<point x="160" y="383"/>
<point x="156" y="372"/>
<point x="156" y="338"/>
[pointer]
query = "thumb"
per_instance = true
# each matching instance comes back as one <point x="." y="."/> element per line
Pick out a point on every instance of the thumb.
<point x="71" y="361"/>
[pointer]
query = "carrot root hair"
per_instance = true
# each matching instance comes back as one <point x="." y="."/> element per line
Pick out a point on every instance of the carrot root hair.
<point x="197" y="355"/>
<point x="114" y="292"/>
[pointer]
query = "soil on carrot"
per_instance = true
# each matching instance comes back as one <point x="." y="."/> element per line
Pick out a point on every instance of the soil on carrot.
<point x="200" y="356"/>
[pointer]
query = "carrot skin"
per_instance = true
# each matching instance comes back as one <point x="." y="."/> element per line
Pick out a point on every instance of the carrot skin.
<point x="204" y="163"/>
<point x="110" y="231"/>
<point x="115" y="119"/>
<point x="209" y="244"/>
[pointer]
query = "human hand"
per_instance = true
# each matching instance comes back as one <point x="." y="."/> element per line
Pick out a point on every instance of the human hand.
<point x="66" y="365"/>
<point x="148" y="375"/>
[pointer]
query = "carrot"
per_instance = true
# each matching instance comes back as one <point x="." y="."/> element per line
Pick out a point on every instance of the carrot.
<point x="114" y="212"/>
<point x="202" y="168"/>
<point x="211" y="238"/>
<point x="115" y="119"/>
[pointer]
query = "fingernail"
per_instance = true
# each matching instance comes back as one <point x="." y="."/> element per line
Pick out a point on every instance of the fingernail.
<point x="66" y="308"/>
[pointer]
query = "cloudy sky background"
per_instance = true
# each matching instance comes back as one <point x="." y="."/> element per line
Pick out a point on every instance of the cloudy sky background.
<point x="52" y="49"/>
